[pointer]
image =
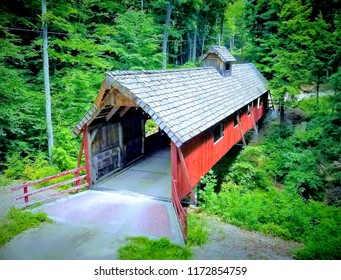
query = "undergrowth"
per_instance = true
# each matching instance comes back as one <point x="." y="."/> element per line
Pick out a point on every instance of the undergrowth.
<point x="18" y="221"/>
<point x="197" y="226"/>
<point x="142" y="248"/>
<point x="280" y="186"/>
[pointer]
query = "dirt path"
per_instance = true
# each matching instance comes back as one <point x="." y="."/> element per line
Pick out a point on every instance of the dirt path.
<point x="5" y="200"/>
<point x="227" y="242"/>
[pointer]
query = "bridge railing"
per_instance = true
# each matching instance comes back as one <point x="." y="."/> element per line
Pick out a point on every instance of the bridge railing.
<point x="79" y="182"/>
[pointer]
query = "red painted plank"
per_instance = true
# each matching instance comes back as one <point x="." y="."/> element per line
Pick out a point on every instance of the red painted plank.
<point x="200" y="153"/>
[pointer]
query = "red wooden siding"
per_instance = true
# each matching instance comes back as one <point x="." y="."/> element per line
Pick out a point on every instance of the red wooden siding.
<point x="201" y="153"/>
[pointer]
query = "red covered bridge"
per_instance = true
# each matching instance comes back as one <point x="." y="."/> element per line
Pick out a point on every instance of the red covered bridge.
<point x="201" y="113"/>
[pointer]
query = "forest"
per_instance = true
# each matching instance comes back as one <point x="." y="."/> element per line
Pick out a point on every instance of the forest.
<point x="294" y="44"/>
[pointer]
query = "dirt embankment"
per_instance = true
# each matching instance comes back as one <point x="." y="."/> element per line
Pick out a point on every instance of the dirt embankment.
<point x="227" y="242"/>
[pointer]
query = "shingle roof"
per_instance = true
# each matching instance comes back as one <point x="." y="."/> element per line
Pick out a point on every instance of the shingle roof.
<point x="222" y="53"/>
<point x="186" y="102"/>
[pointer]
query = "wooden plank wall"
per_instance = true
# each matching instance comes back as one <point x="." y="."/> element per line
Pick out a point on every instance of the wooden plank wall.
<point x="201" y="153"/>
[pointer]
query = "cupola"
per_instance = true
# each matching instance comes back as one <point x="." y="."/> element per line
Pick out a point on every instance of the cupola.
<point x="221" y="59"/>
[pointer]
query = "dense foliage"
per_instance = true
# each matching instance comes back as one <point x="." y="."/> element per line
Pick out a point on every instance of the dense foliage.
<point x="86" y="39"/>
<point x="279" y="186"/>
<point x="292" y="42"/>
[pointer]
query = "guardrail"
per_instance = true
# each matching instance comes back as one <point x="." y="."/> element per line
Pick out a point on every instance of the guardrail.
<point x="79" y="181"/>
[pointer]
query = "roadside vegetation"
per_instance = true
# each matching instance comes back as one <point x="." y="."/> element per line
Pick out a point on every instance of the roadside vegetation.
<point x="142" y="248"/>
<point x="289" y="185"/>
<point x="18" y="221"/>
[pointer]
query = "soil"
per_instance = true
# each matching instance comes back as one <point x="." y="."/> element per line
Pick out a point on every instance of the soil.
<point x="228" y="242"/>
<point x="7" y="195"/>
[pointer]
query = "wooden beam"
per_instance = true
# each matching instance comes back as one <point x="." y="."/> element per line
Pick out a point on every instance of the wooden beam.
<point x="87" y="155"/>
<point x="122" y="99"/>
<point x="111" y="113"/>
<point x="241" y="129"/>
<point x="183" y="163"/>
<point x="93" y="135"/>
<point x="125" y="110"/>
<point x="80" y="154"/>
<point x="253" y="119"/>
<point x="100" y="95"/>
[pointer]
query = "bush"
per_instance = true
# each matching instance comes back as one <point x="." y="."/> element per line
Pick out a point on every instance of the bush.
<point x="207" y="196"/>
<point x="283" y="214"/>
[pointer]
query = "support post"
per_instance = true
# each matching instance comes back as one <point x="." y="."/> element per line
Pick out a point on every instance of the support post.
<point x="254" y="121"/>
<point x="25" y="192"/>
<point x="183" y="164"/>
<point x="87" y="155"/>
<point x="241" y="130"/>
<point x="79" y="162"/>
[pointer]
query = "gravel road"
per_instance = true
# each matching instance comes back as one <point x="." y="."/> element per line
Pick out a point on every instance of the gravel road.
<point x="227" y="242"/>
<point x="6" y="198"/>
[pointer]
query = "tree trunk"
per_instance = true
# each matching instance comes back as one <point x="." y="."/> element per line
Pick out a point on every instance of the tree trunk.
<point x="318" y="83"/>
<point x="281" y="109"/>
<point x="317" y="93"/>
<point x="194" y="51"/>
<point x="189" y="41"/>
<point x="47" y="85"/>
<point x="141" y="5"/>
<point x="204" y="37"/>
<point x="165" y="35"/>
<point x="221" y="28"/>
<point x="232" y="43"/>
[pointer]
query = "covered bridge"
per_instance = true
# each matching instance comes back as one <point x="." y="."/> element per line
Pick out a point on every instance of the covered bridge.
<point x="200" y="113"/>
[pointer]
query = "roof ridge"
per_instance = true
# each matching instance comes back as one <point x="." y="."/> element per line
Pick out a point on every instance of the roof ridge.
<point x="137" y="72"/>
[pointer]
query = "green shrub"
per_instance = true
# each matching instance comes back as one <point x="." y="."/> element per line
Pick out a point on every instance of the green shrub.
<point x="280" y="213"/>
<point x="4" y="181"/>
<point x="197" y="229"/>
<point x="19" y="221"/>
<point x="208" y="196"/>
<point x="29" y="168"/>
<point x="142" y="248"/>
<point x="63" y="160"/>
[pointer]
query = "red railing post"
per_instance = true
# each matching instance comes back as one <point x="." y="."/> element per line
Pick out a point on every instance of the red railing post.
<point x="77" y="183"/>
<point x="25" y="192"/>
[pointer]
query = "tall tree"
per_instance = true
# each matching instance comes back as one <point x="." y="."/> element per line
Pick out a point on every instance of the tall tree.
<point x="47" y="83"/>
<point x="169" y="8"/>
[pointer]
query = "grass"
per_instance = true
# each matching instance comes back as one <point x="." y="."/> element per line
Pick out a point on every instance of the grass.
<point x="143" y="248"/>
<point x="197" y="229"/>
<point x="18" y="221"/>
<point x="4" y="181"/>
